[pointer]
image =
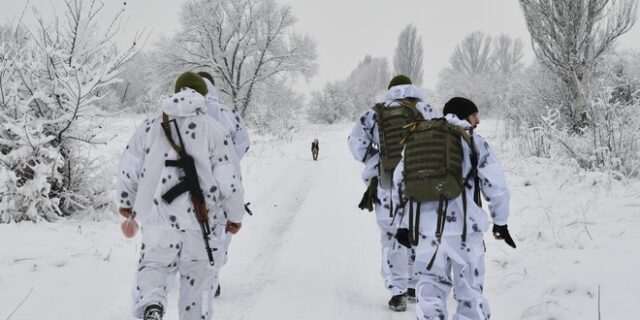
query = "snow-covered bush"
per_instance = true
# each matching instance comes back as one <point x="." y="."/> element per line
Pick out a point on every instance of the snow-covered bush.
<point x="610" y="144"/>
<point x="615" y="134"/>
<point x="279" y="111"/>
<point x="53" y="77"/>
<point x="535" y="118"/>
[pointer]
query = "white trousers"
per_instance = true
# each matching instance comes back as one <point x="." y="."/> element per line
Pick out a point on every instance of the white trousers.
<point x="221" y="242"/>
<point x="165" y="252"/>
<point x="397" y="260"/>
<point x="456" y="265"/>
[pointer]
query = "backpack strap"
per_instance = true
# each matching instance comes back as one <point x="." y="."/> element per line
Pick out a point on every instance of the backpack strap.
<point x="472" y="174"/>
<point x="466" y="136"/>
<point x="443" y="207"/>
<point x="464" y="213"/>
<point x="474" y="170"/>
<point x="412" y="104"/>
<point x="391" y="204"/>
<point x="414" y="223"/>
<point x="378" y="107"/>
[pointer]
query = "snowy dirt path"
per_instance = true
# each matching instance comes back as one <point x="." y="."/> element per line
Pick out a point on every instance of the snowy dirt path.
<point x="308" y="252"/>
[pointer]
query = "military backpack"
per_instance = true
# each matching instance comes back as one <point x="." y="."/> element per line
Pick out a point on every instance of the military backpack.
<point x="392" y="121"/>
<point x="433" y="162"/>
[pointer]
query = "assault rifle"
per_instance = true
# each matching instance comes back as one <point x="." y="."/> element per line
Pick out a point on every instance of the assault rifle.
<point x="189" y="184"/>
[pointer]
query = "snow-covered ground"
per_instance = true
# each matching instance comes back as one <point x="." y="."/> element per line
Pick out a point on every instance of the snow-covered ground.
<point x="309" y="253"/>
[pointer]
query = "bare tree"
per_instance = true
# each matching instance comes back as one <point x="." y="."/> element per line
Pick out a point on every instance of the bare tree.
<point x="473" y="56"/>
<point x="367" y="83"/>
<point x="247" y="44"/>
<point x="407" y="59"/>
<point x="568" y="36"/>
<point x="507" y="54"/>
<point x="482" y="70"/>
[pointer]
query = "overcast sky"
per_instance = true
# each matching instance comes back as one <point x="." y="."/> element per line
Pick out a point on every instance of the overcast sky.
<point x="347" y="30"/>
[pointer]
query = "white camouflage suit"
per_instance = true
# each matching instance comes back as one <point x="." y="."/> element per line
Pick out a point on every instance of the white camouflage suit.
<point x="396" y="259"/>
<point x="234" y="123"/>
<point x="171" y="237"/>
<point x="458" y="265"/>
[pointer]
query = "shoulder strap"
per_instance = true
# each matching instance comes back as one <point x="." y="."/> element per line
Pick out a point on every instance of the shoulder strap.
<point x="166" y="127"/>
<point x="474" y="169"/>
<point x="466" y="137"/>
<point x="378" y="107"/>
<point x="412" y="104"/>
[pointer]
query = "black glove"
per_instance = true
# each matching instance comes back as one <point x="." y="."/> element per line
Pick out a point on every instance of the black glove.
<point x="502" y="233"/>
<point x="370" y="195"/>
<point x="402" y="235"/>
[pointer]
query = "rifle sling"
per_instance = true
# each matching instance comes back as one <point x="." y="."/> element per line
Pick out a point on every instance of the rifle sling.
<point x="166" y="127"/>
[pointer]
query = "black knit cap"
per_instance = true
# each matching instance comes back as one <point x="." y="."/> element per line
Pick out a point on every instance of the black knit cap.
<point x="207" y="76"/>
<point x="399" y="80"/>
<point x="461" y="107"/>
<point x="193" y="81"/>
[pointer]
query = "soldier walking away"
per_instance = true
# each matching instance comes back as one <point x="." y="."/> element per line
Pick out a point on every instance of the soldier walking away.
<point x="315" y="148"/>
<point x="175" y="171"/>
<point x="441" y="194"/>
<point x="232" y="121"/>
<point x="375" y="141"/>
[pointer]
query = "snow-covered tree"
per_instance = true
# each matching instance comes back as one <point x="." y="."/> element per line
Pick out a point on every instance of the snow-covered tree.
<point x="57" y="73"/>
<point x="346" y="99"/>
<point x="367" y="83"/>
<point x="569" y="36"/>
<point x="482" y="70"/>
<point x="135" y="90"/>
<point x="408" y="56"/>
<point x="245" y="44"/>
<point x="332" y="104"/>
<point x="278" y="110"/>
<point x="507" y="54"/>
<point x="473" y="56"/>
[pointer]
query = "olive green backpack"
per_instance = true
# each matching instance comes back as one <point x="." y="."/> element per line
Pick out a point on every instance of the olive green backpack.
<point x="392" y="124"/>
<point x="433" y="158"/>
<point x="433" y="161"/>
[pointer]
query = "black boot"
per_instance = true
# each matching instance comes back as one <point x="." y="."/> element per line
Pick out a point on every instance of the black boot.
<point x="153" y="312"/>
<point x="398" y="302"/>
<point x="217" y="291"/>
<point x="411" y="295"/>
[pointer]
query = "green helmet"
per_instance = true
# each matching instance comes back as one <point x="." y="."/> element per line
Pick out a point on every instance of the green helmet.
<point x="399" y="80"/>
<point x="193" y="81"/>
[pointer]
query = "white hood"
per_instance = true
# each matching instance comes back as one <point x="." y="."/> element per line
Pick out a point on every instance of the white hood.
<point x="405" y="91"/>
<point x="184" y="104"/>
<point x="212" y="95"/>
<point x="455" y="120"/>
